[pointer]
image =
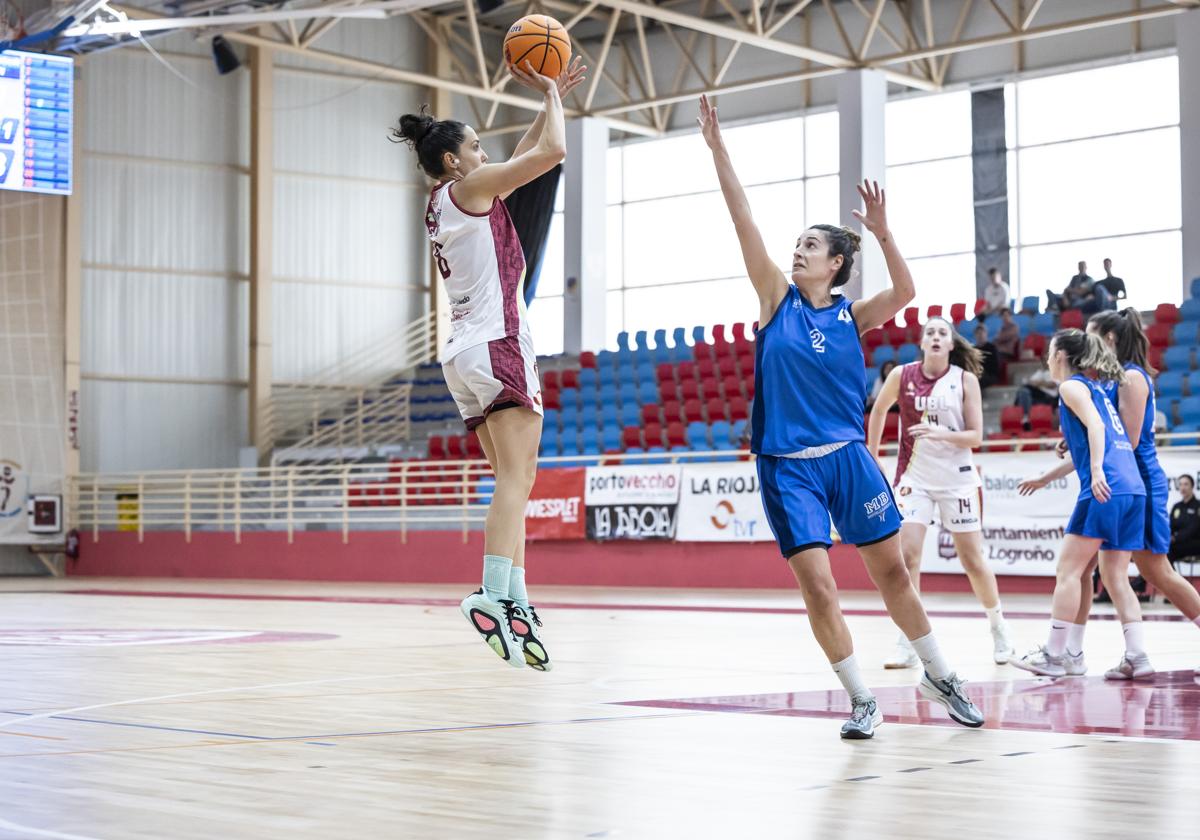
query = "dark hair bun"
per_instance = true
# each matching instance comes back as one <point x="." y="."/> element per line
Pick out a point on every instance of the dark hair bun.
<point x="855" y="239"/>
<point x="414" y="127"/>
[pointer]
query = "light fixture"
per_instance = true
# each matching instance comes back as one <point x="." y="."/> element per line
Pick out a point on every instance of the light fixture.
<point x="224" y="56"/>
<point x="486" y="6"/>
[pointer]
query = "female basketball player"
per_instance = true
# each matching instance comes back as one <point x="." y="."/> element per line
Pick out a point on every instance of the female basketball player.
<point x="941" y="418"/>
<point x="488" y="360"/>
<point x="1110" y="513"/>
<point x="807" y="430"/>
<point x="1123" y="333"/>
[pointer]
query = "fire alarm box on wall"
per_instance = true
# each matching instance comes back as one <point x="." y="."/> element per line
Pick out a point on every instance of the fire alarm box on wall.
<point x="44" y="514"/>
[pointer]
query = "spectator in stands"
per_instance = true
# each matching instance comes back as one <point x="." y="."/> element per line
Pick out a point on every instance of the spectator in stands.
<point x="884" y="370"/>
<point x="1039" y="389"/>
<point x="1112" y="284"/>
<point x="992" y="367"/>
<point x="1008" y="339"/>
<point x="995" y="294"/>
<point x="1084" y="294"/>
<point x="1185" y="522"/>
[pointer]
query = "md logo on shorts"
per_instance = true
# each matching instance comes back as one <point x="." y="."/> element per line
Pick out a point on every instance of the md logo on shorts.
<point x="878" y="506"/>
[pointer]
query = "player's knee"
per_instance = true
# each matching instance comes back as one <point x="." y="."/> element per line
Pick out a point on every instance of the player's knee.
<point x="819" y="590"/>
<point x="893" y="578"/>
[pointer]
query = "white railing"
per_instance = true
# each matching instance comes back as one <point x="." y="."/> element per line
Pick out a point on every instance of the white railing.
<point x="297" y="408"/>
<point x="395" y="495"/>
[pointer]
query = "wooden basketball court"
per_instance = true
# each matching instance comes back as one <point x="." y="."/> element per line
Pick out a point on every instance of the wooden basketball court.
<point x="169" y="709"/>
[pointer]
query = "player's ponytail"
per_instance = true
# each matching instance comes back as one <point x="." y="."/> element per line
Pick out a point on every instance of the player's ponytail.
<point x="1129" y="334"/>
<point x="430" y="138"/>
<point x="1088" y="352"/>
<point x="962" y="352"/>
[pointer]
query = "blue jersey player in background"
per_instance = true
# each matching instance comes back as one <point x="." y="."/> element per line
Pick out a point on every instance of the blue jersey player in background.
<point x="1124" y="335"/>
<point x="1110" y="513"/>
<point x="808" y="433"/>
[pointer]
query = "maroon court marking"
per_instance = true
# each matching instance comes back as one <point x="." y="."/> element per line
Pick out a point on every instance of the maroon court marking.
<point x="1167" y="706"/>
<point x="544" y="605"/>
<point x="140" y="637"/>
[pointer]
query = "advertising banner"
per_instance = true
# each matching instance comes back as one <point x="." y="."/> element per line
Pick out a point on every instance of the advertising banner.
<point x="721" y="503"/>
<point x="555" y="508"/>
<point x="632" y="502"/>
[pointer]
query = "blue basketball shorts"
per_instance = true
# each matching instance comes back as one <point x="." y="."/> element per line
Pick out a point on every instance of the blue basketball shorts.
<point x="1158" y="519"/>
<point x="801" y="496"/>
<point x="1120" y="522"/>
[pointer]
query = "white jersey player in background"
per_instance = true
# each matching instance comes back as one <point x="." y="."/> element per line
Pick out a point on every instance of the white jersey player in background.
<point x="941" y="419"/>
<point x="488" y="359"/>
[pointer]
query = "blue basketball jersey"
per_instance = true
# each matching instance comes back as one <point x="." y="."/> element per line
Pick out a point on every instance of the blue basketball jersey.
<point x="1145" y="451"/>
<point x="810" y="378"/>
<point x="1120" y="466"/>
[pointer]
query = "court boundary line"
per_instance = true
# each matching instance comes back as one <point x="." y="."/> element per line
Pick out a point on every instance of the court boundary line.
<point x="558" y="605"/>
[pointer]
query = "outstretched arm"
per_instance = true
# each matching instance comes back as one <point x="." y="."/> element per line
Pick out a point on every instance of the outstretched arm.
<point x="566" y="82"/>
<point x="882" y="307"/>
<point x="768" y="280"/>
<point x="482" y="186"/>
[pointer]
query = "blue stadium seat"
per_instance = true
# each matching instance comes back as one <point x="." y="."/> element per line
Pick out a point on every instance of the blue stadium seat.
<point x="736" y="431"/>
<point x="1178" y="358"/>
<point x="1189" y="310"/>
<point x="660" y="339"/>
<point x="630" y="414"/>
<point x="697" y="335"/>
<point x="1196" y="287"/>
<point x="569" y="397"/>
<point x="589" y="397"/>
<point x="648" y="392"/>
<point x="550" y="419"/>
<point x="641" y="341"/>
<point x="609" y="415"/>
<point x="1184" y="427"/>
<point x="1025" y="323"/>
<point x="993" y="324"/>
<point x="608" y="393"/>
<point x="967" y="329"/>
<point x="1170" y="384"/>
<point x="907" y="353"/>
<point x="1189" y="410"/>
<point x="1030" y="303"/>
<point x="589" y="433"/>
<point x="549" y="447"/>
<point x="623" y="341"/>
<point x="884" y="354"/>
<point x="697" y="436"/>
<point x="679" y="337"/>
<point x="719" y="434"/>
<point x="628" y="392"/>
<point x="608" y="376"/>
<point x="1184" y="333"/>
<point x="588" y="379"/>
<point x="610" y="438"/>
<point x="1044" y="324"/>
<point x="645" y="372"/>
<point x="606" y="360"/>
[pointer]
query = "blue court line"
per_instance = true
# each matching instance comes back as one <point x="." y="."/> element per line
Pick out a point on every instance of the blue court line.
<point x="148" y="726"/>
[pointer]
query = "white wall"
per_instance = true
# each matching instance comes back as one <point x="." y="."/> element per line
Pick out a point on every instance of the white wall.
<point x="165" y="180"/>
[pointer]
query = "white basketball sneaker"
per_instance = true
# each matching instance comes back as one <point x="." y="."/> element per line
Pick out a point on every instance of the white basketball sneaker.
<point x="1040" y="661"/>
<point x="1002" y="646"/>
<point x="903" y="656"/>
<point x="1075" y="664"/>
<point x="1131" y="668"/>
<point x="490" y="620"/>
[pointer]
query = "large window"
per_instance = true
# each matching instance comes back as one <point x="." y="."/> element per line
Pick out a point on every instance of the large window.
<point x="1093" y="172"/>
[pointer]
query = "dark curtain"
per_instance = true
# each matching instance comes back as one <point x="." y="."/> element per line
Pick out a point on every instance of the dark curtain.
<point x="532" y="208"/>
<point x="990" y="164"/>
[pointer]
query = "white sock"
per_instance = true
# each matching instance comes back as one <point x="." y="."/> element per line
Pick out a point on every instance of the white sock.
<point x="1075" y="638"/>
<point x="847" y="671"/>
<point x="995" y="616"/>
<point x="1056" y="644"/>
<point x="1135" y="643"/>
<point x="516" y="587"/>
<point x="496" y="571"/>
<point x="931" y="657"/>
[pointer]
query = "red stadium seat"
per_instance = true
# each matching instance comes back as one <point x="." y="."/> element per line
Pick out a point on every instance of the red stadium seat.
<point x="689" y="389"/>
<point x="958" y="312"/>
<point x="1012" y="419"/>
<point x="356" y="495"/>
<point x="1166" y="313"/>
<point x="631" y="436"/>
<point x="550" y="379"/>
<point x="1029" y="446"/>
<point x="569" y="378"/>
<point x="701" y="350"/>
<point x="1034" y="346"/>
<point x="551" y="398"/>
<point x="722" y="345"/>
<point x="587" y="359"/>
<point x="1071" y="319"/>
<point x="709" y="388"/>
<point x="473" y="447"/>
<point x="665" y="371"/>
<point x="693" y="410"/>
<point x="715" y="408"/>
<point x="1041" y="419"/>
<point x="742" y="342"/>
<point x="651" y="413"/>
<point x="896" y="334"/>
<point x="456" y="447"/>
<point x="727" y="366"/>
<point x="912" y="315"/>
<point x="874" y="338"/>
<point x="739" y="409"/>
<point x="654" y="435"/>
<point x="706" y="368"/>
<point x="891" y="427"/>
<point x="732" y="386"/>
<point x="1155" y="358"/>
<point x="686" y="370"/>
<point x="672" y="410"/>
<point x="676" y="436"/>
<point x="934" y="311"/>
<point x="437" y="447"/>
<point x="1159" y="335"/>
<point x="980" y="305"/>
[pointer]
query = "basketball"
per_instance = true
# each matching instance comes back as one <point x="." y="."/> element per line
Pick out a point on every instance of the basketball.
<point x="540" y="40"/>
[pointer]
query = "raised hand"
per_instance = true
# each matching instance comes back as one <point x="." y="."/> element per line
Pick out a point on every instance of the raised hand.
<point x="710" y="126"/>
<point x="874" y="216"/>
<point x="532" y="79"/>
<point x="572" y="78"/>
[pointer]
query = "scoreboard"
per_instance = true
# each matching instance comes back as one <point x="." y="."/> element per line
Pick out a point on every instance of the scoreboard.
<point x="36" y="104"/>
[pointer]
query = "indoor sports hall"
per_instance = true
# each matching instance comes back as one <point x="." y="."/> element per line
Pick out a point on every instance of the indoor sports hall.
<point x="799" y="400"/>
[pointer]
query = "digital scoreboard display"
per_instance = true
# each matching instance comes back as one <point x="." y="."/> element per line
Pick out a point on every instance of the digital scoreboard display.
<point x="35" y="122"/>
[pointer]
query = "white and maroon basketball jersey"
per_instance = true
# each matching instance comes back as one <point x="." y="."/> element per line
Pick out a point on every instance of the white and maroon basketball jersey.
<point x="480" y="259"/>
<point x="933" y="464"/>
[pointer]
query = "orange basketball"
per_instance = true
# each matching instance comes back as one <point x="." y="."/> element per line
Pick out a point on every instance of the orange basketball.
<point x="540" y="40"/>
